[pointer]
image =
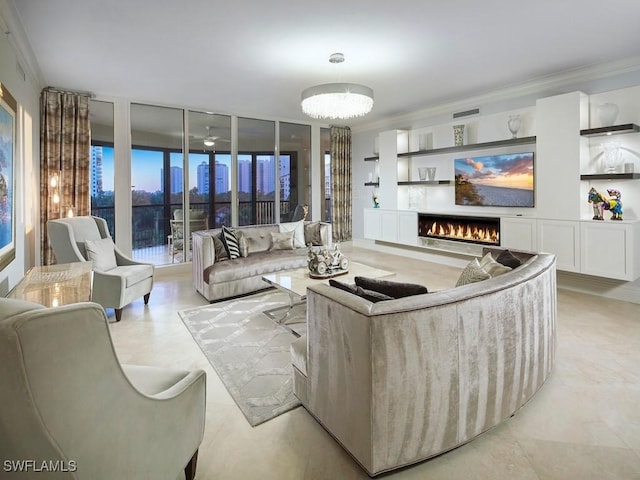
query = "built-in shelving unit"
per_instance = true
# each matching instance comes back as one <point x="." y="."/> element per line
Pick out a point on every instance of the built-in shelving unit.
<point x="475" y="146"/>
<point x="427" y="182"/>
<point x="610" y="176"/>
<point x="612" y="130"/>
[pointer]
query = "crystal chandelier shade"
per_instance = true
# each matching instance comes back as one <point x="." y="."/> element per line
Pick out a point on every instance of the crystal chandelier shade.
<point x="337" y="101"/>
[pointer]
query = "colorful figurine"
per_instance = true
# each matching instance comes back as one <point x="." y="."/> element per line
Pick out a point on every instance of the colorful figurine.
<point x="601" y="203"/>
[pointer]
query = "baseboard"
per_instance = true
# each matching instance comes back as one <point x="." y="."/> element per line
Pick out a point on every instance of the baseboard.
<point x="604" y="287"/>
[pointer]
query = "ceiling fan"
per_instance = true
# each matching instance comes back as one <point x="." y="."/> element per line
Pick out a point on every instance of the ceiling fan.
<point x="209" y="140"/>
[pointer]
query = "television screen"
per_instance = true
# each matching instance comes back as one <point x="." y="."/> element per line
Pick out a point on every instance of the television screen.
<point x="495" y="181"/>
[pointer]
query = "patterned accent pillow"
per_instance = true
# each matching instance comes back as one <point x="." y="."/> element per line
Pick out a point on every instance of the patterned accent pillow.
<point x="472" y="273"/>
<point x="230" y="242"/>
<point x="492" y="267"/>
<point x="282" y="241"/>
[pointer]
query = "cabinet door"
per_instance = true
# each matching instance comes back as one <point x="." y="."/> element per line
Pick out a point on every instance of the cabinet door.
<point x="408" y="228"/>
<point x="389" y="225"/>
<point x="518" y="233"/>
<point x="562" y="238"/>
<point x="607" y="250"/>
<point x="372" y="225"/>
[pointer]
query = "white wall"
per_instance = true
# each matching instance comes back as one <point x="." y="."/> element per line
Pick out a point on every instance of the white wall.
<point x="15" y="78"/>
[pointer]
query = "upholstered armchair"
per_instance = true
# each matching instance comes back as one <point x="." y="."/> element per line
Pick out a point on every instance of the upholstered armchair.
<point x="67" y="403"/>
<point x="117" y="279"/>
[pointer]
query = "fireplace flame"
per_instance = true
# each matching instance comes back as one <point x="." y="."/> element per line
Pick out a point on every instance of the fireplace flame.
<point x="461" y="231"/>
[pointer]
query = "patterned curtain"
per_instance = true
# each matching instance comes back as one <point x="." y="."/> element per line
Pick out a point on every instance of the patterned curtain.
<point x="341" y="183"/>
<point x="65" y="160"/>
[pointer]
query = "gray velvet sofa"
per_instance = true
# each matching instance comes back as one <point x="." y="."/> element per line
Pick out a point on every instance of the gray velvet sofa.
<point x="399" y="381"/>
<point x="216" y="280"/>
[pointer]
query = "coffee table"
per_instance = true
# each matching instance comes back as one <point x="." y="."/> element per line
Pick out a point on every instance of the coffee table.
<point x="295" y="282"/>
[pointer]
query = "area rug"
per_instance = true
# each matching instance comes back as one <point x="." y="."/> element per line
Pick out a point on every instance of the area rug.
<point x="249" y="351"/>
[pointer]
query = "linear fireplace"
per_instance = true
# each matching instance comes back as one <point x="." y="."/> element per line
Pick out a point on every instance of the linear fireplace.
<point x="460" y="228"/>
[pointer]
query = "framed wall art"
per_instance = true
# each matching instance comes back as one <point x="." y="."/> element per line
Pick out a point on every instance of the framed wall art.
<point x="8" y="108"/>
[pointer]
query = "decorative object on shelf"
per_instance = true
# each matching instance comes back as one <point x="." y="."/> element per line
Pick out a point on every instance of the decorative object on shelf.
<point x="431" y="173"/>
<point x="608" y="112"/>
<point x="422" y="173"/>
<point x="458" y="135"/>
<point x="611" y="158"/>
<point x="628" y="167"/>
<point x="376" y="200"/>
<point x="423" y="141"/>
<point x="600" y="203"/>
<point x="323" y="263"/>
<point x="514" y="123"/>
<point x="337" y="101"/>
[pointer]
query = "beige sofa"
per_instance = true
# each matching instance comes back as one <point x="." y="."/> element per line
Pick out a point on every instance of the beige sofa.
<point x="217" y="280"/>
<point x="403" y="380"/>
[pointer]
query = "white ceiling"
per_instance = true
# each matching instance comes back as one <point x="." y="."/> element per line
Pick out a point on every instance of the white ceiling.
<point x="253" y="58"/>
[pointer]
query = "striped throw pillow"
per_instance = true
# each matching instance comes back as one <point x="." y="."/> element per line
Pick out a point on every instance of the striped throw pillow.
<point x="230" y="242"/>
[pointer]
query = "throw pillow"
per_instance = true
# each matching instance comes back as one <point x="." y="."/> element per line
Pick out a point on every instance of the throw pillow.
<point x="281" y="241"/>
<point x="219" y="248"/>
<point x="472" y="273"/>
<point x="312" y="234"/>
<point x="370" y="295"/>
<point x="298" y="232"/>
<point x="230" y="242"/>
<point x="492" y="267"/>
<point x="391" y="289"/>
<point x="508" y="259"/>
<point x="102" y="254"/>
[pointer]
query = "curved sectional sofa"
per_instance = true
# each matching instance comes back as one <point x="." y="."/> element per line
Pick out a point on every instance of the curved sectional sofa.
<point x="399" y="381"/>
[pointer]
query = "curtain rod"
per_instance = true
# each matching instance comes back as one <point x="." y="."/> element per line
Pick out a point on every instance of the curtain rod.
<point x="73" y="92"/>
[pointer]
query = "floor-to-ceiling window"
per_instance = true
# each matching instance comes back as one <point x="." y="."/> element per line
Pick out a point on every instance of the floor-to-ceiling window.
<point x="294" y="168"/>
<point x="210" y="166"/>
<point x="102" y="162"/>
<point x="157" y="178"/>
<point x="256" y="167"/>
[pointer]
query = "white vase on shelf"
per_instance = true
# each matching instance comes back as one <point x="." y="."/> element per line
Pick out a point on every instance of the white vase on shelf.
<point x="514" y="123"/>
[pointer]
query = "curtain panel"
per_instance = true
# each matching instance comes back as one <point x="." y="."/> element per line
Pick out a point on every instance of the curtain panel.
<point x="341" y="183"/>
<point x="65" y="158"/>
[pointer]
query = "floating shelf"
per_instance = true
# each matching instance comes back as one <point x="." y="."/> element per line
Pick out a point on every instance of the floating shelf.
<point x="612" y="130"/>
<point x="371" y="184"/>
<point x="427" y="182"/>
<point x="610" y="176"/>
<point x="371" y="159"/>
<point x="475" y="146"/>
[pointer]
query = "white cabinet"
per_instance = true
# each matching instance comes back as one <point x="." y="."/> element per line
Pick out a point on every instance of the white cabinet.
<point x="372" y="225"/>
<point x="562" y="238"/>
<point x="389" y="225"/>
<point x="408" y="228"/>
<point x="607" y="249"/>
<point x="518" y="233"/>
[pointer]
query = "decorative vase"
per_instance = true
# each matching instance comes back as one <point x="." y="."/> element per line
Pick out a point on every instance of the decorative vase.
<point x="422" y="173"/>
<point x="608" y="112"/>
<point x="431" y="173"/>
<point x="514" y="123"/>
<point x="458" y="135"/>
<point x="611" y="158"/>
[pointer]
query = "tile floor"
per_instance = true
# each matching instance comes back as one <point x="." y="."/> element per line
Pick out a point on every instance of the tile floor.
<point x="584" y="423"/>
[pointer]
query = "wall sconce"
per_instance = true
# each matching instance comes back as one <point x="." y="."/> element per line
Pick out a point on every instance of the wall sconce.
<point x="70" y="211"/>
<point x="54" y="182"/>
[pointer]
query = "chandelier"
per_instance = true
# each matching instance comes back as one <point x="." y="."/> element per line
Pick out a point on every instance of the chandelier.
<point x="337" y="101"/>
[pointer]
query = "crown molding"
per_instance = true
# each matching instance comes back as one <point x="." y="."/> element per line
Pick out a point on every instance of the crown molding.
<point x="541" y="85"/>
<point x="14" y="32"/>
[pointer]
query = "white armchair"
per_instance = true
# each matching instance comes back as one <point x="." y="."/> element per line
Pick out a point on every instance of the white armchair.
<point x="67" y="401"/>
<point x="117" y="279"/>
